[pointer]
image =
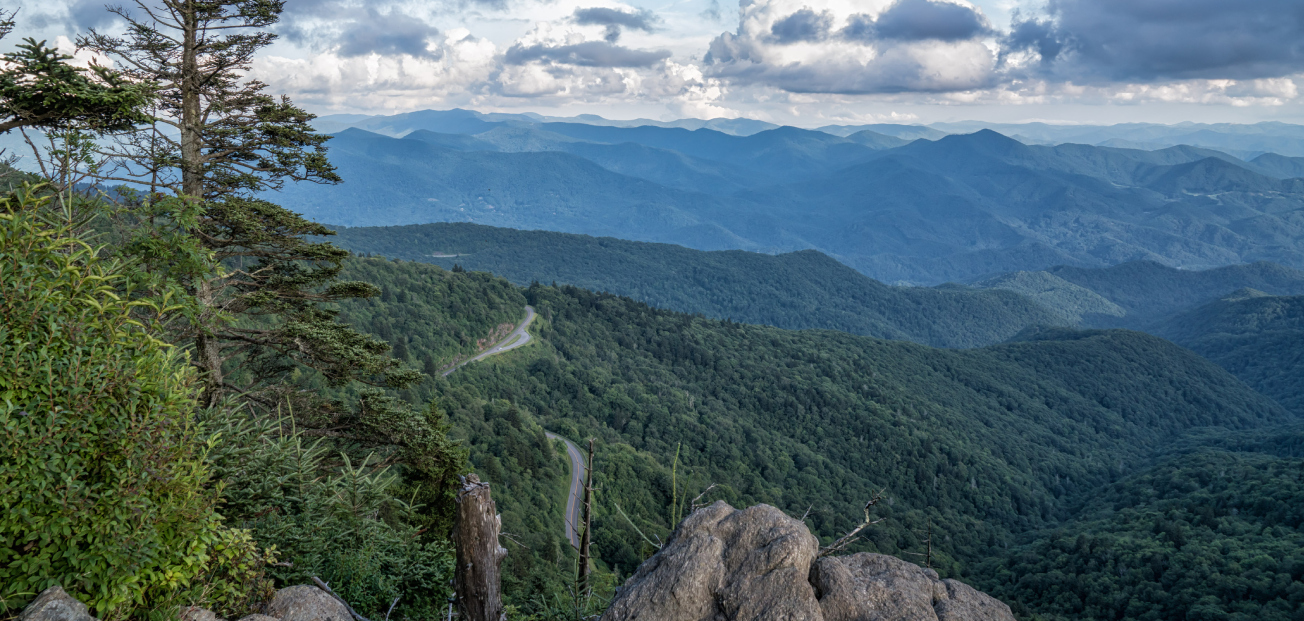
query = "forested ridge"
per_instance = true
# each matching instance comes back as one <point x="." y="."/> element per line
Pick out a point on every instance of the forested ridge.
<point x="1210" y="532"/>
<point x="1258" y="337"/>
<point x="797" y="290"/>
<point x="990" y="443"/>
<point x="204" y="401"/>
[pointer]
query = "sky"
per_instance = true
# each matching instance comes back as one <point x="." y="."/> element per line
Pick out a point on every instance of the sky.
<point x="798" y="62"/>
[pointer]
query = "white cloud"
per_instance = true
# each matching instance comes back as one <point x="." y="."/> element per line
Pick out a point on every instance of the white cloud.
<point x="832" y="46"/>
<point x="806" y="61"/>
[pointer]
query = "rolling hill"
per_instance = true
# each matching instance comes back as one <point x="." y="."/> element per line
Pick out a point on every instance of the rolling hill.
<point x="990" y="444"/>
<point x="1257" y="337"/>
<point x="798" y="290"/>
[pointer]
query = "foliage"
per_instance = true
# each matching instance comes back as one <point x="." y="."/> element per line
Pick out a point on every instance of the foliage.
<point x="988" y="443"/>
<point x="103" y="482"/>
<point x="1210" y="534"/>
<point x="1258" y="338"/>
<point x="1152" y="293"/>
<point x="530" y="480"/>
<point x="797" y="291"/>
<point x="327" y="517"/>
<point x="38" y="88"/>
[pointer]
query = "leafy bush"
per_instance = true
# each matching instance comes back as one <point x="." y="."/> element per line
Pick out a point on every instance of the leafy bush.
<point x="102" y="474"/>
<point x="329" y="517"/>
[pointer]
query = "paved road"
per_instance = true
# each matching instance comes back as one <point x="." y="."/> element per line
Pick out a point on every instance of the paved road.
<point x="517" y="338"/>
<point x="577" y="485"/>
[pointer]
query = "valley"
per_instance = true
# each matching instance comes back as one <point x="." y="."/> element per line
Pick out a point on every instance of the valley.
<point x="925" y="310"/>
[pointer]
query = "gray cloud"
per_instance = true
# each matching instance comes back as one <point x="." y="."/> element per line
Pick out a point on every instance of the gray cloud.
<point x="1037" y="35"/>
<point x="586" y="54"/>
<point x="389" y="33"/>
<point x="353" y="31"/>
<point x="804" y="25"/>
<point x="1143" y="40"/>
<point x="82" y="14"/>
<point x="917" y="20"/>
<point x="893" y="71"/>
<point x="615" y="19"/>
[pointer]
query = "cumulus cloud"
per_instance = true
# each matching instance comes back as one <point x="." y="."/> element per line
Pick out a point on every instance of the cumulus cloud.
<point x="612" y="20"/>
<point x="585" y="54"/>
<point x="394" y="32"/>
<point x="905" y="46"/>
<point x="804" y="25"/>
<point x="1156" y="40"/>
<point x="349" y="30"/>
<point x="913" y="20"/>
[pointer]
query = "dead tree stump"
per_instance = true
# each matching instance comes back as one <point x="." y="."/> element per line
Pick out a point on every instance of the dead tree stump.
<point x="479" y="557"/>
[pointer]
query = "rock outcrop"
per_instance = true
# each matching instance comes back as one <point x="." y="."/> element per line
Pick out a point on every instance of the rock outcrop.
<point x="53" y="604"/>
<point x="758" y="564"/>
<point x="306" y="603"/>
<point x="296" y="603"/>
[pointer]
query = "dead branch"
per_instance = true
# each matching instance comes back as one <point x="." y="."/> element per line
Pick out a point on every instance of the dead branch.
<point x="694" y="506"/>
<point x="852" y="536"/>
<point x="327" y="588"/>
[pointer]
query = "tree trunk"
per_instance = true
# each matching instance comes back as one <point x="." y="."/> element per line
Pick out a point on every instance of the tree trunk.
<point x="192" y="168"/>
<point x="479" y="557"/>
<point x="208" y="352"/>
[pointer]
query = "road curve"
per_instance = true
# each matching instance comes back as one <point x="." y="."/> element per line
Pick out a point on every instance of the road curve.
<point x="576" y="486"/>
<point x="517" y="338"/>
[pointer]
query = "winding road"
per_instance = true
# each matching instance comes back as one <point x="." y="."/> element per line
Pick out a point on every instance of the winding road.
<point x="517" y="338"/>
<point x="576" y="486"/>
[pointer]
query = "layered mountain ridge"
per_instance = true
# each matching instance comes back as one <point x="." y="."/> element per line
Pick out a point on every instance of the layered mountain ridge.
<point x="923" y="211"/>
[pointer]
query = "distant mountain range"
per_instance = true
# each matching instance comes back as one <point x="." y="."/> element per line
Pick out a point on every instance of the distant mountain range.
<point x="1245" y="141"/>
<point x="922" y="212"/>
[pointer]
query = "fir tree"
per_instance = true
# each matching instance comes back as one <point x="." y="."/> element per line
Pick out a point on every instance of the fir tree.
<point x="38" y="88"/>
<point x="217" y="141"/>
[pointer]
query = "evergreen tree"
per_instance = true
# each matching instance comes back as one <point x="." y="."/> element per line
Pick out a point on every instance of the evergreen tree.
<point x="217" y="140"/>
<point x="38" y="88"/>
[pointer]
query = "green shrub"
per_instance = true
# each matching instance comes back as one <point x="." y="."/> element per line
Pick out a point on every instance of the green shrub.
<point x="329" y="517"/>
<point x="102" y="470"/>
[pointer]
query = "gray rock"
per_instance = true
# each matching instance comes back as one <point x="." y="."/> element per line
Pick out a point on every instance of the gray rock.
<point x="758" y="564"/>
<point x="257" y="618"/>
<point x="722" y="564"/>
<point x="965" y="603"/>
<point x="53" y="604"/>
<point x="875" y="587"/>
<point x="195" y="613"/>
<point x="306" y="603"/>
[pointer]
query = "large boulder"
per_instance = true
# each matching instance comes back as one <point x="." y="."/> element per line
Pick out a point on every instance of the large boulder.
<point x="758" y="564"/>
<point x="306" y="603"/>
<point x="195" y="613"/>
<point x="53" y="604"/>
<point x="725" y="564"/>
<point x="877" y="587"/>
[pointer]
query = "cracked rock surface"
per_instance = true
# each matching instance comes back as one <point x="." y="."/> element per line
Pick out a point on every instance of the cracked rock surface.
<point x="758" y="564"/>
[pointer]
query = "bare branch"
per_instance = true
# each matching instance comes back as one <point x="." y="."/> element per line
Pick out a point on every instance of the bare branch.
<point x="852" y="536"/>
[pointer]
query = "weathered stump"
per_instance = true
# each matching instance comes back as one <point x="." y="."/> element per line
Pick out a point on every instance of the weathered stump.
<point x="479" y="557"/>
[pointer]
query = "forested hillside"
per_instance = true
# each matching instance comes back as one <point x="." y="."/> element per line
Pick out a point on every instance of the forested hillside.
<point x="796" y="291"/>
<point x="1149" y="292"/>
<point x="1259" y="338"/>
<point x="989" y="443"/>
<point x="1209" y="533"/>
